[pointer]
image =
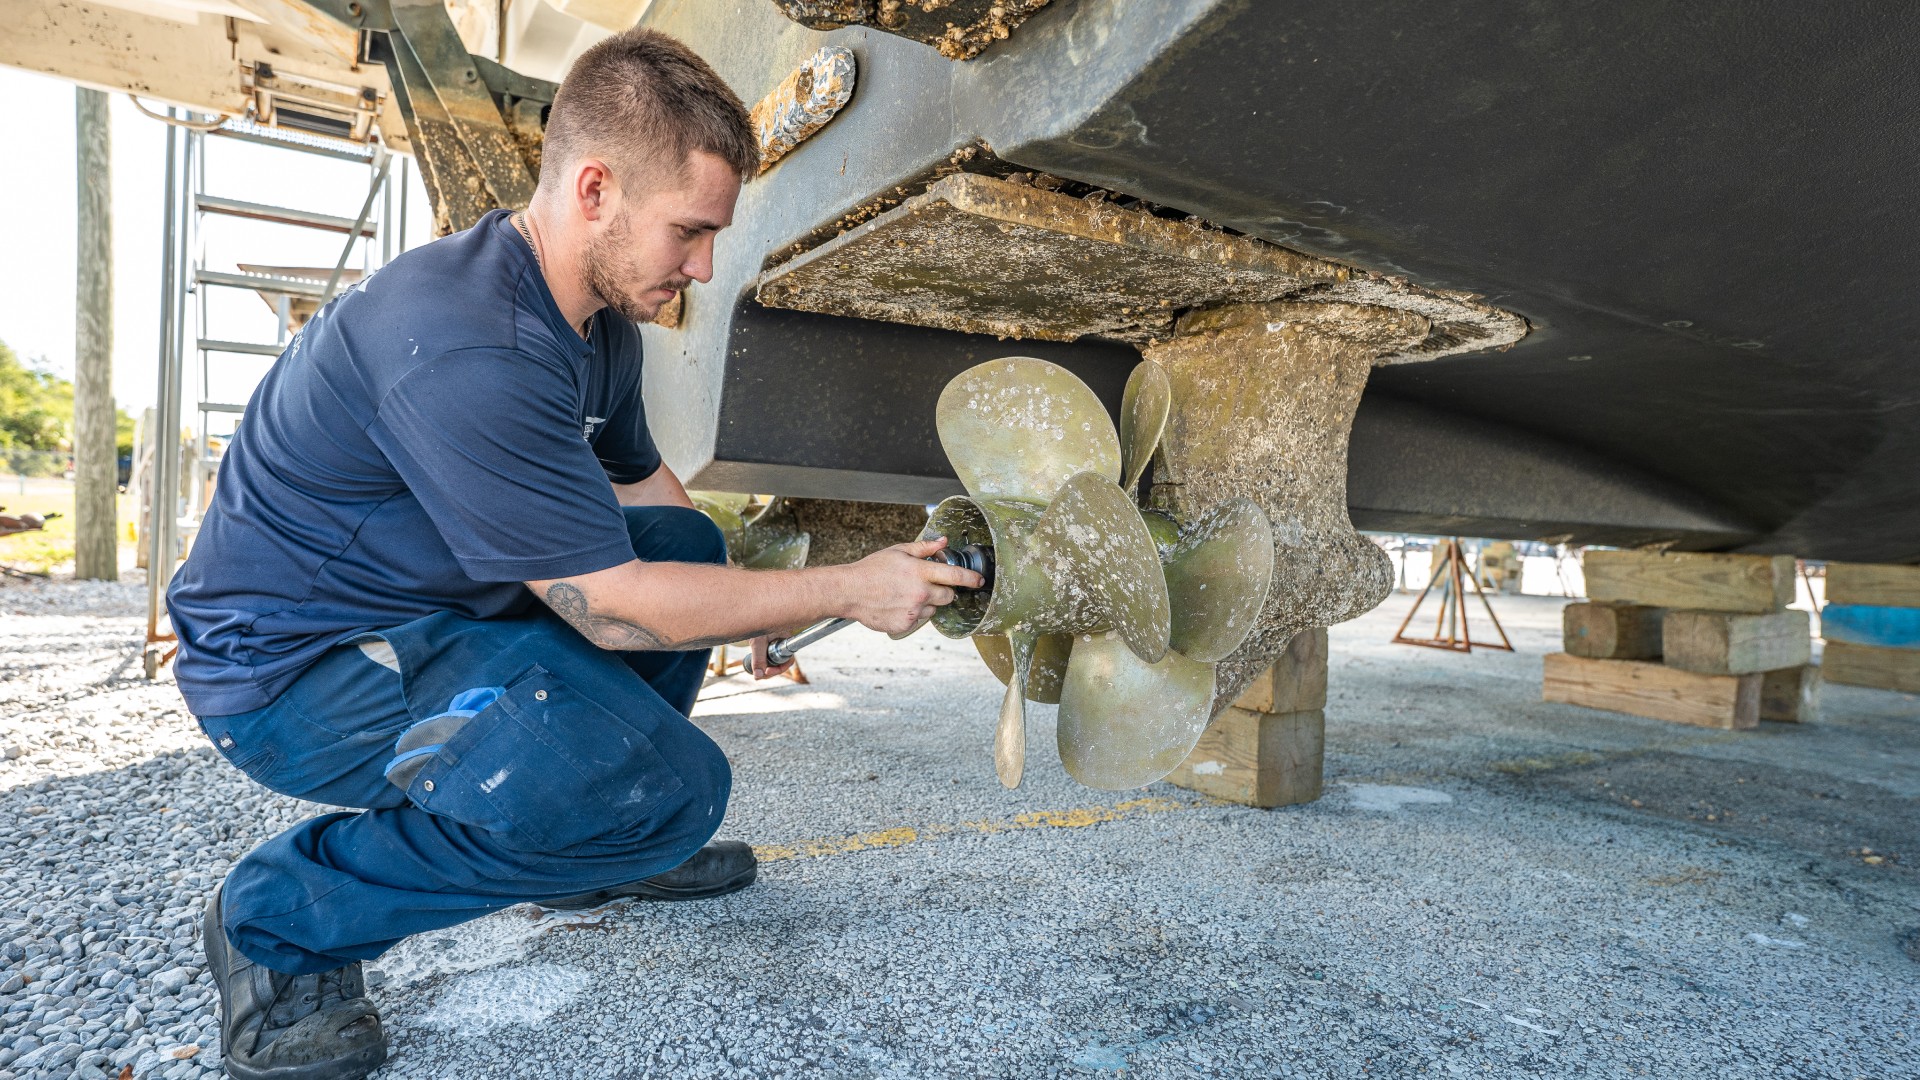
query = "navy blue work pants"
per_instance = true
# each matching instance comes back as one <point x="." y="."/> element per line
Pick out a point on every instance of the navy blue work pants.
<point x="568" y="768"/>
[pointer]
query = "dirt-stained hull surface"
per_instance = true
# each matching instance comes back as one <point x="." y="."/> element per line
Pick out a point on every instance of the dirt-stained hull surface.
<point x="1664" y="249"/>
<point x="1698" y="212"/>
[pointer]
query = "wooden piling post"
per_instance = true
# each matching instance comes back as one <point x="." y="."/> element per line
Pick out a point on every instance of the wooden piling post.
<point x="96" y="549"/>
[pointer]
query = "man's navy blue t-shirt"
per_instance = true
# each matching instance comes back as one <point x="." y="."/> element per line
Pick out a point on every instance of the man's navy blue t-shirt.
<point x="434" y="437"/>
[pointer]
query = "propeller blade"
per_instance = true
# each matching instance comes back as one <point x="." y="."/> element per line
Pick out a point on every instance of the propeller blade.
<point x="776" y="512"/>
<point x="1098" y="568"/>
<point x="1125" y="723"/>
<point x="773" y="540"/>
<point x="1218" y="573"/>
<point x="1143" y="418"/>
<point x="1049" y="670"/>
<point x="741" y="504"/>
<point x="724" y="509"/>
<point x="784" y="553"/>
<point x="1019" y="427"/>
<point x="1010" y="738"/>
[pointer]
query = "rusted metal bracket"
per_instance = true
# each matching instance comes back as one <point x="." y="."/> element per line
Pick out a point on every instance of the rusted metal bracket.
<point x="958" y="28"/>
<point x="454" y="78"/>
<point x="475" y="126"/>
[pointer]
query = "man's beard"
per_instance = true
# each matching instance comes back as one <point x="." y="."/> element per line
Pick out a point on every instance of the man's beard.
<point x="608" y="263"/>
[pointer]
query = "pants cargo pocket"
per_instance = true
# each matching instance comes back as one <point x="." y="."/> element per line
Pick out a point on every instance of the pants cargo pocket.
<point x="544" y="767"/>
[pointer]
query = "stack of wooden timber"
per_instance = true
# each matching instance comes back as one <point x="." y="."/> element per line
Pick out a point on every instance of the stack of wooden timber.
<point x="1500" y="568"/>
<point x="1872" y="626"/>
<point x="1688" y="638"/>
<point x="1268" y="747"/>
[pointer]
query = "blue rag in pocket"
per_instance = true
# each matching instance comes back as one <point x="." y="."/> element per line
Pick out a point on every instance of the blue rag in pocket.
<point x="428" y="737"/>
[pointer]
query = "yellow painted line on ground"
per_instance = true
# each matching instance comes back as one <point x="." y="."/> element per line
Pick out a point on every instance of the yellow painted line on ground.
<point x="1076" y="818"/>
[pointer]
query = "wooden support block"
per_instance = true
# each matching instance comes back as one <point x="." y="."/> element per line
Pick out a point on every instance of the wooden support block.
<point x="1871" y="583"/>
<point x="1719" y="643"/>
<point x="1871" y="624"/>
<point x="1870" y="665"/>
<point x="1260" y="759"/>
<point x="1603" y="630"/>
<point x="1698" y="582"/>
<point x="1297" y="681"/>
<point x="1791" y="695"/>
<point x="1500" y="567"/>
<point x="1654" y="691"/>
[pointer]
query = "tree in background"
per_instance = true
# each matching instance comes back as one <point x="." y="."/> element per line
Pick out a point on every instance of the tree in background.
<point x="36" y="418"/>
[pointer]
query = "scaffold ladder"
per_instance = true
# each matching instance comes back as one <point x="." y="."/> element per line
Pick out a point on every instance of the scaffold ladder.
<point x="172" y="522"/>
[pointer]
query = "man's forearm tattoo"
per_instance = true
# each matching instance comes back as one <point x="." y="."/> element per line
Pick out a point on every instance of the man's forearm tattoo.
<point x="606" y="631"/>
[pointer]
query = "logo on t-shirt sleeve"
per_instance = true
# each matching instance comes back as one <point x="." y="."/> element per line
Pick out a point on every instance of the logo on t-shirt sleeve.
<point x="586" y="430"/>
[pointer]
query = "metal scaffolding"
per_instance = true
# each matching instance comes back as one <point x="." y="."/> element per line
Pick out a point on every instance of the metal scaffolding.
<point x="179" y="501"/>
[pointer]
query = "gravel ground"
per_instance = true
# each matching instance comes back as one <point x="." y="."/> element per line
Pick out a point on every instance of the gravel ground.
<point x="1492" y="886"/>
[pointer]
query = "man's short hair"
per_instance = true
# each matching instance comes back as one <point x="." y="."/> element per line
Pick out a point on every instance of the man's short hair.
<point x="644" y="102"/>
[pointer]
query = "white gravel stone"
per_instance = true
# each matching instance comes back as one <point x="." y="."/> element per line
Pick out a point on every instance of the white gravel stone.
<point x="1383" y="930"/>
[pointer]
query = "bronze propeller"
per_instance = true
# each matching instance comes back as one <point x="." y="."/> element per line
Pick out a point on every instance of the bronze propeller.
<point x="1116" y="615"/>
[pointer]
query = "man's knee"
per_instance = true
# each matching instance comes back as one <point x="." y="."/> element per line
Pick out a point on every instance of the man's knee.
<point x="572" y="751"/>
<point x="706" y="781"/>
<point x="674" y="534"/>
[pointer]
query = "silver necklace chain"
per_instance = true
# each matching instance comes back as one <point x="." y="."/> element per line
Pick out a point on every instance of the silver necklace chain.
<point x="520" y="222"/>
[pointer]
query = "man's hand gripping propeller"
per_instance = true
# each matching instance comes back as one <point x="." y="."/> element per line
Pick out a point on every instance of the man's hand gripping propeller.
<point x="971" y="571"/>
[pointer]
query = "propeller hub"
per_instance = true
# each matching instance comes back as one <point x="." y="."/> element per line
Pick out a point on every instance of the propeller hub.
<point x="975" y="557"/>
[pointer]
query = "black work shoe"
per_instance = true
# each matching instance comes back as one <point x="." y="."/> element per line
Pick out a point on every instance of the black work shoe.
<point x="715" y="870"/>
<point x="290" y="1027"/>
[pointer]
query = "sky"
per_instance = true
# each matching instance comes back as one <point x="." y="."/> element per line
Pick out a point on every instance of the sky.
<point x="37" y="186"/>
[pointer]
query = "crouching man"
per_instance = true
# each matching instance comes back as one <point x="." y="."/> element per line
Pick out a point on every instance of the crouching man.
<point x="447" y="581"/>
